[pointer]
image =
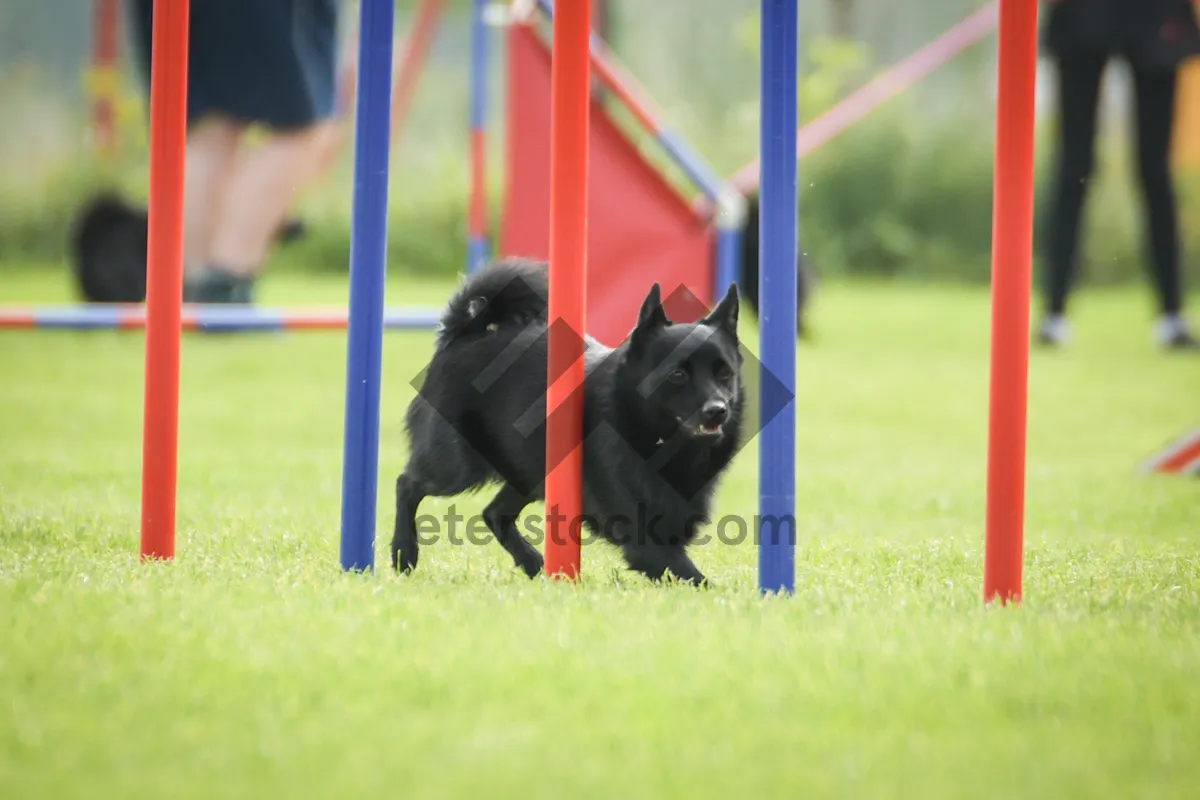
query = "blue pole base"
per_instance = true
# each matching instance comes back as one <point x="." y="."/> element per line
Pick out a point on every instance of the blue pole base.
<point x="728" y="261"/>
<point x="478" y="254"/>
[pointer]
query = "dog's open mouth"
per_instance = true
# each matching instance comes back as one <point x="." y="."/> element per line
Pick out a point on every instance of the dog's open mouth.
<point x="702" y="429"/>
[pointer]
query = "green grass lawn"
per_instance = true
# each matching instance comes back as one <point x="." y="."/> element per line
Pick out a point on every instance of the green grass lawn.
<point x="252" y="667"/>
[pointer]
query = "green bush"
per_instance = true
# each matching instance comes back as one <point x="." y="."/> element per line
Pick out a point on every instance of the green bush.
<point x="898" y="197"/>
<point x="426" y="226"/>
<point x="907" y="194"/>
<point x="891" y="198"/>
<point x="35" y="216"/>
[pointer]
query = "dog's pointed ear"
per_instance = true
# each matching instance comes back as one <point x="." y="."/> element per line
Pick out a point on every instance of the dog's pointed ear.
<point x="650" y="318"/>
<point x="652" y="314"/>
<point x="725" y="315"/>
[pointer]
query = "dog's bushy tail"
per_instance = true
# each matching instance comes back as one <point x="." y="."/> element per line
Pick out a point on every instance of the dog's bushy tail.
<point x="510" y="291"/>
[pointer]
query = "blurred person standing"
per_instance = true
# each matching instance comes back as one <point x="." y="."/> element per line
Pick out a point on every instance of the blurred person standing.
<point x="266" y="63"/>
<point x="1154" y="37"/>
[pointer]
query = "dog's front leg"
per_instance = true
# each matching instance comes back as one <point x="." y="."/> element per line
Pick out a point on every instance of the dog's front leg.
<point x="405" y="544"/>
<point x="655" y="560"/>
<point x="681" y="566"/>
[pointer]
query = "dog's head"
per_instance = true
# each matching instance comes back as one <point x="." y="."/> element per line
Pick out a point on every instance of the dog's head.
<point x="687" y="374"/>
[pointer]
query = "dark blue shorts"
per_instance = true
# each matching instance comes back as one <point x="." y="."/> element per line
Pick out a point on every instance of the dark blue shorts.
<point x="270" y="62"/>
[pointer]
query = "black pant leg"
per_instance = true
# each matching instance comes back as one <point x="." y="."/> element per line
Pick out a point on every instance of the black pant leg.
<point x="1155" y="116"/>
<point x="1079" y="79"/>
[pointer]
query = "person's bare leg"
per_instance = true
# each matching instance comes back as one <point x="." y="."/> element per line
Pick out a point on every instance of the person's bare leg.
<point x="212" y="147"/>
<point x="329" y="145"/>
<point x="265" y="181"/>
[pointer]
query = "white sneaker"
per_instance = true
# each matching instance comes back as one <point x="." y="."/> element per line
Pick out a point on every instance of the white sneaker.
<point x="1172" y="333"/>
<point x="1054" y="331"/>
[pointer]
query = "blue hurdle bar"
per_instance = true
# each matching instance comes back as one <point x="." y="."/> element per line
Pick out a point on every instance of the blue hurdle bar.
<point x="225" y="319"/>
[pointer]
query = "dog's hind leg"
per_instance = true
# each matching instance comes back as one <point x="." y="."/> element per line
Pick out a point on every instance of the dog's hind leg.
<point x="441" y="465"/>
<point x="501" y="517"/>
<point x="405" y="548"/>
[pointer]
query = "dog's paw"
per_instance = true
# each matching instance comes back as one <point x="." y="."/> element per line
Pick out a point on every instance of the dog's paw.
<point x="402" y="563"/>
<point x="532" y="566"/>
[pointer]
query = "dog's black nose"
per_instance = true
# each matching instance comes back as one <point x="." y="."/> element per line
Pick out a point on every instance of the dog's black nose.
<point x="714" y="412"/>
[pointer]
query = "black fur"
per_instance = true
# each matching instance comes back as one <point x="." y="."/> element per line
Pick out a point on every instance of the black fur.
<point x="108" y="250"/>
<point x="748" y="280"/>
<point x="651" y="456"/>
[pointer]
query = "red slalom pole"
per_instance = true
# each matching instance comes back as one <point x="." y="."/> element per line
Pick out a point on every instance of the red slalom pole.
<point x="106" y="25"/>
<point x="569" y="84"/>
<point x="164" y="279"/>
<point x="1012" y="255"/>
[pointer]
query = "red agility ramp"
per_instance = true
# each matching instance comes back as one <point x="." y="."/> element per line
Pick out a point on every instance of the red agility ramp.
<point x="640" y="228"/>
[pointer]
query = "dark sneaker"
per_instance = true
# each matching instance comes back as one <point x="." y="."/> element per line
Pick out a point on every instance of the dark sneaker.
<point x="218" y="286"/>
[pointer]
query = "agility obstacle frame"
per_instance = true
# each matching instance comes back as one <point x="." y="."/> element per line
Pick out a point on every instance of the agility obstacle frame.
<point x="1181" y="457"/>
<point x="208" y="318"/>
<point x="641" y="228"/>
<point x="102" y="80"/>
<point x="1011" y="256"/>
<point x="884" y="86"/>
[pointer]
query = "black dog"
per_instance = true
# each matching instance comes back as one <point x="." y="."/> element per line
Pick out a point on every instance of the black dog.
<point x="662" y="417"/>
<point x="748" y="279"/>
<point x="108" y="250"/>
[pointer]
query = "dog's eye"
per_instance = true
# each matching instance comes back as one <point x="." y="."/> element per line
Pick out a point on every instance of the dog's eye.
<point x="724" y="372"/>
<point x="677" y="376"/>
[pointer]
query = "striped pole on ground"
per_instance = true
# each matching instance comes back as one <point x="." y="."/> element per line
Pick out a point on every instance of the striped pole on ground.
<point x="205" y="318"/>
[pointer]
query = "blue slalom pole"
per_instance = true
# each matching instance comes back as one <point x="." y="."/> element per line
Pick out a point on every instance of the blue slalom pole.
<point x="368" y="269"/>
<point x="777" y="299"/>
<point x="728" y="261"/>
